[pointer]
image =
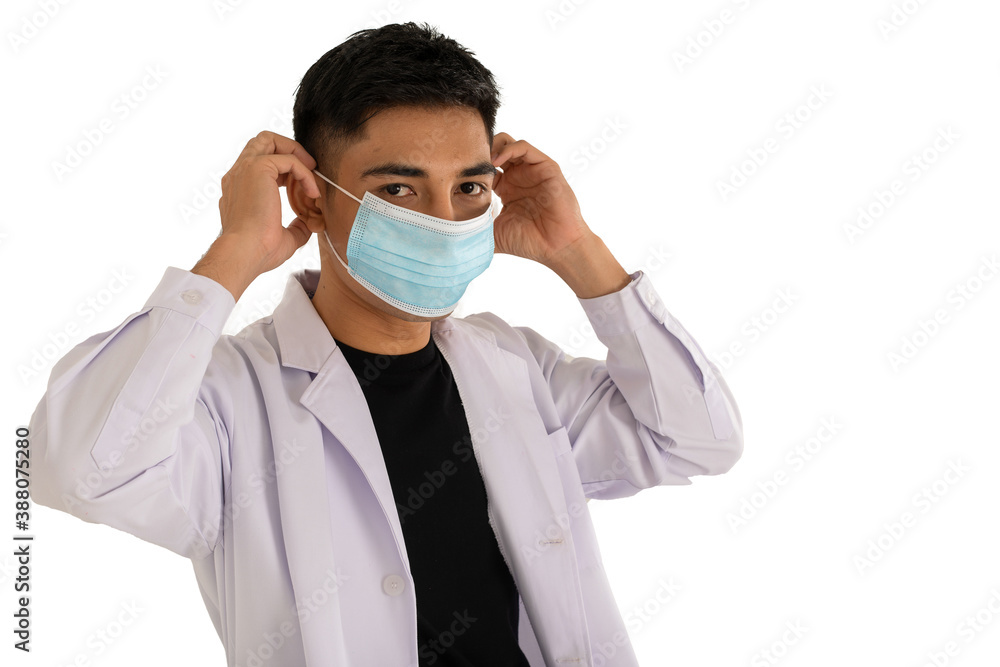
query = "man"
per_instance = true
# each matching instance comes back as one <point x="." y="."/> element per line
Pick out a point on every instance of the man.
<point x="361" y="479"/>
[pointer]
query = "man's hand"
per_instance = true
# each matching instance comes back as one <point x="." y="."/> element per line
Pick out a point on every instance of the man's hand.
<point x="253" y="240"/>
<point x="251" y="201"/>
<point x="540" y="214"/>
<point x="541" y="221"/>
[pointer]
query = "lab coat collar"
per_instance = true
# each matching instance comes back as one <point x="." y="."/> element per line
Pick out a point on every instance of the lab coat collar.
<point x="303" y="339"/>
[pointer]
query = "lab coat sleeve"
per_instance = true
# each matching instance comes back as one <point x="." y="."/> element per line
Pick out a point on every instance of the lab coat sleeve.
<point x="655" y="412"/>
<point x="129" y="434"/>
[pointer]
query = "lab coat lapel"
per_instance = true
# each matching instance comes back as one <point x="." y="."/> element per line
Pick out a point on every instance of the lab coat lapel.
<point x="306" y="530"/>
<point x="522" y="483"/>
<point x="334" y="397"/>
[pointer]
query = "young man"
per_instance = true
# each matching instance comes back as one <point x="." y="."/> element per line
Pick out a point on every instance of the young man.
<point x="361" y="479"/>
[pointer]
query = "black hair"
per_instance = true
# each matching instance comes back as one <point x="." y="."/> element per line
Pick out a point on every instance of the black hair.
<point x="405" y="64"/>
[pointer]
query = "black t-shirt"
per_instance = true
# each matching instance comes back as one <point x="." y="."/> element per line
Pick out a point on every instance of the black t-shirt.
<point x="467" y="602"/>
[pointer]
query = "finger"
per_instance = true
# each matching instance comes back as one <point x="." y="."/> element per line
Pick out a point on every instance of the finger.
<point x="269" y="143"/>
<point x="281" y="166"/>
<point x="519" y="152"/>
<point x="500" y="140"/>
<point x="300" y="232"/>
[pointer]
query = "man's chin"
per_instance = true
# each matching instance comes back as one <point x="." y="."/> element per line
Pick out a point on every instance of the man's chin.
<point x="389" y="309"/>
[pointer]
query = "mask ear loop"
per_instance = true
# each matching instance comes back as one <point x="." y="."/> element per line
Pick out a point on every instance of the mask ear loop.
<point x="324" y="231"/>
<point x="337" y="186"/>
<point x="496" y="204"/>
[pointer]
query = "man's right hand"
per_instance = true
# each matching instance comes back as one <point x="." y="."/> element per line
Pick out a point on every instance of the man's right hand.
<point x="253" y="240"/>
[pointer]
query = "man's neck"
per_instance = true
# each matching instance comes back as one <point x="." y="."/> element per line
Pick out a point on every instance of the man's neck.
<point x="358" y="324"/>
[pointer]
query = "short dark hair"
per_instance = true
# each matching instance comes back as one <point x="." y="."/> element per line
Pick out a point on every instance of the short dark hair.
<point x="405" y="64"/>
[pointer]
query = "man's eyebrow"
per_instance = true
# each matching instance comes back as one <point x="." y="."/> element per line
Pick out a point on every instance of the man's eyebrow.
<point x="400" y="169"/>
<point x="484" y="168"/>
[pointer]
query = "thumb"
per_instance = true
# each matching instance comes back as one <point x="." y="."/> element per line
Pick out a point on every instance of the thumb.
<point x="300" y="233"/>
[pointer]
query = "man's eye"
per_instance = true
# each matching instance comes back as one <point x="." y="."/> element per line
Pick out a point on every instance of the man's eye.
<point x="465" y="186"/>
<point x="393" y="189"/>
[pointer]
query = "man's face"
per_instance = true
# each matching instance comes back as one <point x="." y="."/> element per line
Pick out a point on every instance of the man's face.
<point x="435" y="161"/>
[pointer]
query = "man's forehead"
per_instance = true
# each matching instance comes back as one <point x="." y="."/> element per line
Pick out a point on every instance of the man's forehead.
<point x="418" y="141"/>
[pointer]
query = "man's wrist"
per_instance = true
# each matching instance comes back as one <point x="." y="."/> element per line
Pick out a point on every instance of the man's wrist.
<point x="228" y="262"/>
<point x="589" y="268"/>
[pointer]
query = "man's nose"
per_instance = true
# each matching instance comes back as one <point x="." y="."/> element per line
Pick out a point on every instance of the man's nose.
<point x="442" y="204"/>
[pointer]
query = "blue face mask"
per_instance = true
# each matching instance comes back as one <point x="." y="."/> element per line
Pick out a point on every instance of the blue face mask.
<point x="415" y="262"/>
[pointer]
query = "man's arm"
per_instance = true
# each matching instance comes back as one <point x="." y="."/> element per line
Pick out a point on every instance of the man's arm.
<point x="655" y="412"/>
<point x="133" y="429"/>
<point x="127" y="436"/>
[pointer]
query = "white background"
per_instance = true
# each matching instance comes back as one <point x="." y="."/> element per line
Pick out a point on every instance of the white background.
<point x="661" y="135"/>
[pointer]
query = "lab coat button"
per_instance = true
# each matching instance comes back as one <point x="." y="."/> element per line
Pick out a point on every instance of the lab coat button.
<point x="393" y="584"/>
<point x="654" y="305"/>
<point x="192" y="296"/>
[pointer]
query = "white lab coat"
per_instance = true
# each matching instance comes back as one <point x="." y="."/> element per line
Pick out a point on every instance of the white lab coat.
<point x="255" y="456"/>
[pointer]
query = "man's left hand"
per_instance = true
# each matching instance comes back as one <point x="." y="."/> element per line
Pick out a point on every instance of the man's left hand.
<point x="540" y="216"/>
<point x="541" y="221"/>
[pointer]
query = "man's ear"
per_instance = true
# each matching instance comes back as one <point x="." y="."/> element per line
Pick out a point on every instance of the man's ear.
<point x="308" y="209"/>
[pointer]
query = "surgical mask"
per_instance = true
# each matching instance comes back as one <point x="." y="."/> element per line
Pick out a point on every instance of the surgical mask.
<point x="415" y="262"/>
